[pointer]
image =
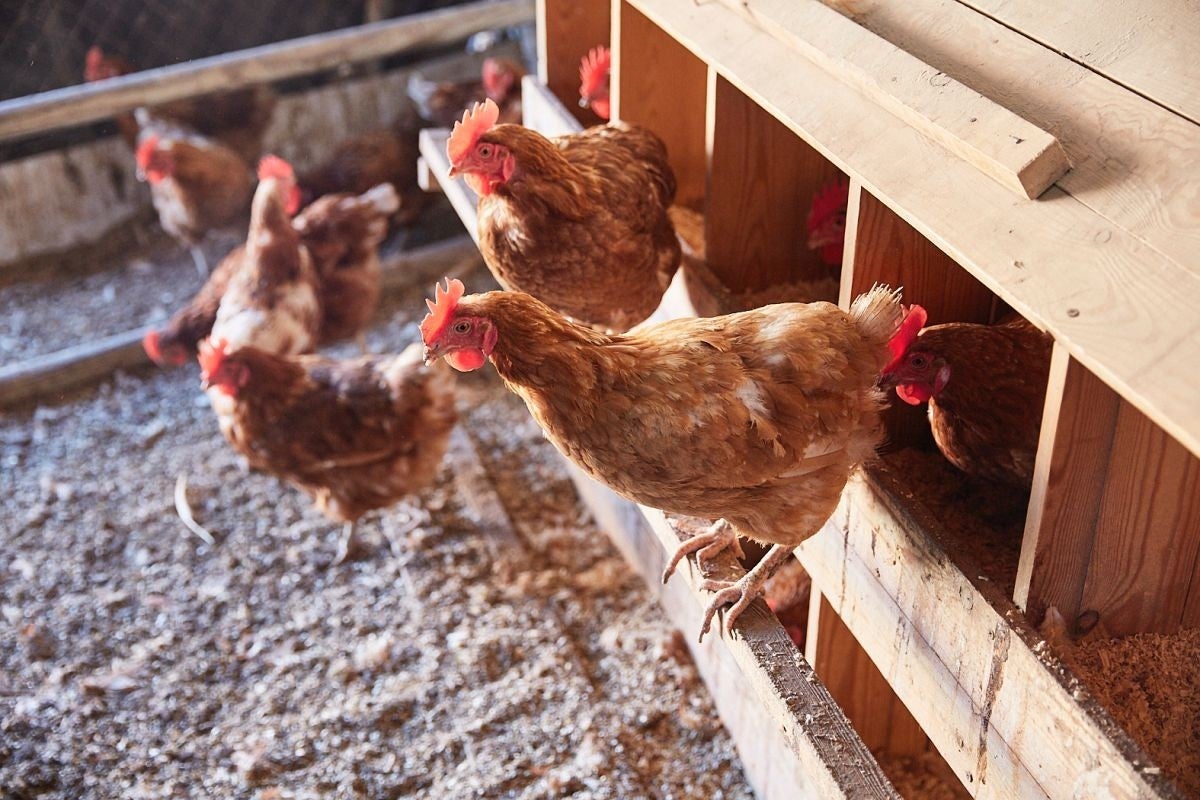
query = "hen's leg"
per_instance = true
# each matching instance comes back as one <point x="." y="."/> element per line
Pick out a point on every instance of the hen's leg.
<point x="199" y="260"/>
<point x="347" y="544"/>
<point x="743" y="592"/>
<point x="709" y="542"/>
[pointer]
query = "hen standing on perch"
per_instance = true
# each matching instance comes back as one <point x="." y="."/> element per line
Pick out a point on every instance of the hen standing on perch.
<point x="755" y="418"/>
<point x="579" y="221"/>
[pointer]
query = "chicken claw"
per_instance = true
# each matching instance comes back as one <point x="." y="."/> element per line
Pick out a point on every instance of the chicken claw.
<point x="743" y="592"/>
<point x="709" y="542"/>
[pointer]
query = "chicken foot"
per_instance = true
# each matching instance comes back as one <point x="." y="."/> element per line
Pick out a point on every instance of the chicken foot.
<point x="741" y="593"/>
<point x="348" y="544"/>
<point x="712" y="540"/>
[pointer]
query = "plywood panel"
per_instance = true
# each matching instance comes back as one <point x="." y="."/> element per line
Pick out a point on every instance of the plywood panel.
<point x="567" y="30"/>
<point x="761" y="183"/>
<point x="660" y="84"/>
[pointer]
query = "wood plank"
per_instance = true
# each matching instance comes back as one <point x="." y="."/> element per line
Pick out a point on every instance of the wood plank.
<point x="542" y="110"/>
<point x="1133" y="161"/>
<point x="1068" y="484"/>
<point x="674" y="109"/>
<point x="567" y="30"/>
<point x="858" y="686"/>
<point x="1056" y="262"/>
<point x="1008" y="718"/>
<point x="763" y="181"/>
<point x="1144" y="560"/>
<point x="49" y="377"/>
<point x="432" y="144"/>
<point x="792" y="740"/>
<point x="1011" y="150"/>
<point x="1149" y="46"/>
<point x="76" y="105"/>
<point x="886" y="249"/>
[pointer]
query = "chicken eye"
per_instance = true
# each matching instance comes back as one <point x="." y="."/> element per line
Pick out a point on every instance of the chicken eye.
<point x="918" y="361"/>
<point x="462" y="327"/>
<point x="485" y="151"/>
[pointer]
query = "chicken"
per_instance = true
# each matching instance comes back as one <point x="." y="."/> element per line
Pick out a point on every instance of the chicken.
<point x="756" y="418"/>
<point x="441" y="104"/>
<point x="985" y="385"/>
<point x="594" y="77"/>
<point x="355" y="435"/>
<point x="197" y="184"/>
<point x="237" y="119"/>
<point x="826" y="222"/>
<point x="341" y="233"/>
<point x="361" y="162"/>
<point x="271" y="300"/>
<point x="579" y="221"/>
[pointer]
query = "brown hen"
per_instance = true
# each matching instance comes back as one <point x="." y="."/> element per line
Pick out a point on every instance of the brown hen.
<point x="354" y="435"/>
<point x="985" y="385"/>
<point x="756" y="418"/>
<point x="579" y="221"/>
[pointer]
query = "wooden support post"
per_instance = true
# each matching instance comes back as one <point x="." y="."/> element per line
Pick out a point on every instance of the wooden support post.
<point x="1114" y="520"/>
<point x="675" y="108"/>
<point x="77" y="105"/>
<point x="566" y="31"/>
<point x="762" y="179"/>
<point x="883" y="248"/>
<point x="857" y="684"/>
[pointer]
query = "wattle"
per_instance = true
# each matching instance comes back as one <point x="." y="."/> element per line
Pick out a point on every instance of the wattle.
<point x="466" y="360"/>
<point x="912" y="393"/>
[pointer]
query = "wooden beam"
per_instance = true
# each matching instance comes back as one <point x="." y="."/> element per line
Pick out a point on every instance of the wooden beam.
<point x="1065" y="268"/>
<point x="49" y="376"/>
<point x="857" y="685"/>
<point x="1009" y="719"/>
<point x="792" y="739"/>
<point x="567" y="30"/>
<point x="1133" y="160"/>
<point x="432" y="144"/>
<point x="762" y="179"/>
<point x="675" y="108"/>
<point x="997" y="142"/>
<point x="1148" y="47"/>
<point x="76" y="105"/>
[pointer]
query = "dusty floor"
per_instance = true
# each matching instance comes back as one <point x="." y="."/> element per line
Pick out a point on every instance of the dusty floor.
<point x="138" y="662"/>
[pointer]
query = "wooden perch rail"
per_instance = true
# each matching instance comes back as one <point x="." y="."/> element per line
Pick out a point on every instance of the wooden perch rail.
<point x="76" y="105"/>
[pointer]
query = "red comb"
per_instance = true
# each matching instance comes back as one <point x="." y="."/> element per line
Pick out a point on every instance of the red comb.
<point x="275" y="167"/>
<point x="441" y="307"/>
<point x="475" y="122"/>
<point x="146" y="149"/>
<point x="831" y="199"/>
<point x="913" y="322"/>
<point x="211" y="354"/>
<point x="93" y="62"/>
<point x="151" y="346"/>
<point x="593" y="69"/>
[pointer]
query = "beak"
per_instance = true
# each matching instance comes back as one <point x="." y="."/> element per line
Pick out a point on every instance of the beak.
<point x="452" y="172"/>
<point x="583" y="102"/>
<point x="204" y="382"/>
<point x="432" y="353"/>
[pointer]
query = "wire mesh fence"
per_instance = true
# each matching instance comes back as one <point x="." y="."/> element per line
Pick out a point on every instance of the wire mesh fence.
<point x="44" y="43"/>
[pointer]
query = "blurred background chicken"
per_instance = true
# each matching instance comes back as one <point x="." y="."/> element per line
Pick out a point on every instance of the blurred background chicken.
<point x="355" y="435"/>
<point x="441" y="104"/>
<point x="271" y="300"/>
<point x="342" y="234"/>
<point x="579" y="221"/>
<point x="826" y="221"/>
<point x="775" y="405"/>
<point x="594" y="78"/>
<point x="985" y="385"/>
<point x="197" y="184"/>
<point x="236" y="120"/>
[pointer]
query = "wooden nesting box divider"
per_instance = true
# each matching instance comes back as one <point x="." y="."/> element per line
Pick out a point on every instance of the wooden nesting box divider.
<point x="920" y="639"/>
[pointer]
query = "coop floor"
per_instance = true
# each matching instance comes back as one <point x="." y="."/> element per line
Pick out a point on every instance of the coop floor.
<point x="136" y="661"/>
